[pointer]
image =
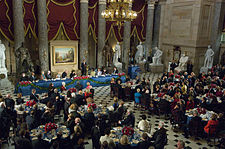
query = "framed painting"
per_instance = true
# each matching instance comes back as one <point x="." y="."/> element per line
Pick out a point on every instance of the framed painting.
<point x="64" y="55"/>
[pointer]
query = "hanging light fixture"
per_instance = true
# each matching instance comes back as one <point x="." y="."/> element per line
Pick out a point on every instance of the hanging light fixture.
<point x="118" y="11"/>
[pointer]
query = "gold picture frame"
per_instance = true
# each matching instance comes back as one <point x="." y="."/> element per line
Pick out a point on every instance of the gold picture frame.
<point x="64" y="55"/>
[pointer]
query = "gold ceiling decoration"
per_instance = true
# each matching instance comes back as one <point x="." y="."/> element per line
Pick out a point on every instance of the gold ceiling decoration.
<point x="119" y="11"/>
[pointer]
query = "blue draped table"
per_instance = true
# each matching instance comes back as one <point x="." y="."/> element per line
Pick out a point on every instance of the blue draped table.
<point x="42" y="86"/>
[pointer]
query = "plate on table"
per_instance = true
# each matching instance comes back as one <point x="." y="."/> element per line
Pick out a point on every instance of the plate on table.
<point x="116" y="140"/>
<point x="135" y="141"/>
<point x="34" y="138"/>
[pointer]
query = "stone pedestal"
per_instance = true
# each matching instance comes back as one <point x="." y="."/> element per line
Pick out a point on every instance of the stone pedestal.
<point x="4" y="82"/>
<point x="142" y="67"/>
<point x="204" y="69"/>
<point x="156" y="68"/>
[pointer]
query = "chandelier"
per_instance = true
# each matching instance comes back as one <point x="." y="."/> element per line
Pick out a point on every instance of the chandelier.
<point x="118" y="11"/>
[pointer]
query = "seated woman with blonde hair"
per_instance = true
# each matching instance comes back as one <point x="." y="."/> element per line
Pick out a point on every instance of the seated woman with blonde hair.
<point x="124" y="143"/>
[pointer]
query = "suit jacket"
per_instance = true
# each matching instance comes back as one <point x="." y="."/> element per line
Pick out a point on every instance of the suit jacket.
<point x="144" y="144"/>
<point x="49" y="76"/>
<point x="33" y="78"/>
<point x="9" y="103"/>
<point x="64" y="74"/>
<point x="40" y="144"/>
<point x="34" y="97"/>
<point x="129" y="121"/>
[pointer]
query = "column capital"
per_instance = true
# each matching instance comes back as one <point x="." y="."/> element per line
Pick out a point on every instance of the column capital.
<point x="151" y="4"/>
<point x="83" y="1"/>
<point x="102" y="2"/>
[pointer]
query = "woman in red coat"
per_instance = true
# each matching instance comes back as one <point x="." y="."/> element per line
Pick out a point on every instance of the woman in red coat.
<point x="214" y="122"/>
<point x="190" y="104"/>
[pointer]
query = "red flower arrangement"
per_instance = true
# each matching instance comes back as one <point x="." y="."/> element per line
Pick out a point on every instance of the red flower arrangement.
<point x="72" y="90"/>
<point x="50" y="126"/>
<point x="177" y="76"/>
<point x="24" y="82"/>
<point x="121" y="74"/>
<point x="30" y="103"/>
<point x="80" y="78"/>
<point x="93" y="105"/>
<point x="128" y="131"/>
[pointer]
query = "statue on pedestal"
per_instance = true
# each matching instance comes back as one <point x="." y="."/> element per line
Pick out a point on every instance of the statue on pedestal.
<point x="156" y="59"/>
<point x="108" y="54"/>
<point x="2" y="55"/>
<point x="139" y="54"/>
<point x="183" y="60"/>
<point x="117" y="55"/>
<point x="209" y="58"/>
<point x="24" y="61"/>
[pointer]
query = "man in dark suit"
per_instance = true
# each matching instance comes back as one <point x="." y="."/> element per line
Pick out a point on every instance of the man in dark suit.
<point x="64" y="74"/>
<point x="24" y="77"/>
<point x="83" y="68"/>
<point x="159" y="137"/>
<point x="49" y="75"/>
<point x="79" y="100"/>
<point x="32" y="77"/>
<point x="40" y="143"/>
<point x="33" y="96"/>
<point x="129" y="120"/>
<point x="9" y="102"/>
<point x="145" y="143"/>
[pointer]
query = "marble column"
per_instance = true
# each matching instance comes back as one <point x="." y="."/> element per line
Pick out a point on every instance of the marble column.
<point x="83" y="30"/>
<point x="101" y="32"/>
<point x="126" y="44"/>
<point x="43" y="35"/>
<point x="217" y="27"/>
<point x="149" y="28"/>
<point x="18" y="23"/>
<point x="18" y="28"/>
<point x="157" y="15"/>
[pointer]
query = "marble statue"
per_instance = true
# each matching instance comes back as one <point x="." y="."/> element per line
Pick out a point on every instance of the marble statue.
<point x="24" y="61"/>
<point x="117" y="55"/>
<point x="139" y="54"/>
<point x="2" y="55"/>
<point x="156" y="59"/>
<point x="183" y="60"/>
<point x="209" y="58"/>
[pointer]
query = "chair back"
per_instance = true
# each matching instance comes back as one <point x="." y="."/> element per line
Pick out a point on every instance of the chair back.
<point x="212" y="129"/>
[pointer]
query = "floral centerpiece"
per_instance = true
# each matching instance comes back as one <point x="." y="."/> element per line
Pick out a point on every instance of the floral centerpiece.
<point x="72" y="90"/>
<point x="30" y="103"/>
<point x="50" y="126"/>
<point x="25" y="82"/>
<point x="129" y="131"/>
<point x="93" y="105"/>
<point x="81" y="78"/>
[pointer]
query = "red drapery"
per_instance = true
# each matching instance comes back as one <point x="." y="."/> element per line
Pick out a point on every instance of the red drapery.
<point x="138" y="26"/>
<point x="30" y="17"/>
<point x="93" y="18"/>
<point x="6" y="24"/>
<point x="63" y="15"/>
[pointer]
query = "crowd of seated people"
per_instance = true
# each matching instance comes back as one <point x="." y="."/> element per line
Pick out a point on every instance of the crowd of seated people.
<point x="175" y="95"/>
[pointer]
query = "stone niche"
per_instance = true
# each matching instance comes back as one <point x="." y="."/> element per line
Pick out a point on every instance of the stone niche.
<point x="187" y="24"/>
<point x="65" y="66"/>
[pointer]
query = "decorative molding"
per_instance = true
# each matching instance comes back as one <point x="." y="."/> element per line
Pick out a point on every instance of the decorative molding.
<point x="102" y="2"/>
<point x="83" y="1"/>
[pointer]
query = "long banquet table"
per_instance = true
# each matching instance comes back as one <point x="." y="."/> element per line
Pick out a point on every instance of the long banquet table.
<point x="41" y="86"/>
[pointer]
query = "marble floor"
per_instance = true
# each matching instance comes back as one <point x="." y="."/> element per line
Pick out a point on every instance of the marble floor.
<point x="102" y="96"/>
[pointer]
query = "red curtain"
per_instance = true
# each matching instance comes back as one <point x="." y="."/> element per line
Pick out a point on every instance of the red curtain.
<point x="138" y="26"/>
<point x="30" y="17"/>
<point x="6" y="15"/>
<point x="93" y="18"/>
<point x="63" y="14"/>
